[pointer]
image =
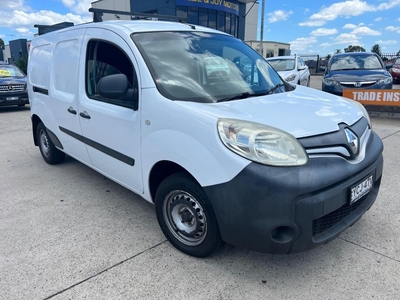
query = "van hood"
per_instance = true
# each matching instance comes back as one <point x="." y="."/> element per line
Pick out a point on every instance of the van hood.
<point x="303" y="112"/>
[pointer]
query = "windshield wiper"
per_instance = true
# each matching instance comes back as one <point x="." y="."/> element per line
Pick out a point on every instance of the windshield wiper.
<point x="235" y="97"/>
<point x="270" y="91"/>
<point x="243" y="96"/>
<point x="347" y="69"/>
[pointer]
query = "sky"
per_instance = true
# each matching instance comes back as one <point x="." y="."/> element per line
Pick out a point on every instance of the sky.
<point x="311" y="27"/>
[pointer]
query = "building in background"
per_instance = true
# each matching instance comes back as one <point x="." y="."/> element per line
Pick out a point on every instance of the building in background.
<point x="236" y="17"/>
<point x="271" y="49"/>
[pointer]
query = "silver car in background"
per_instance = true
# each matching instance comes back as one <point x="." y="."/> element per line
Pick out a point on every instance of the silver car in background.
<point x="291" y="68"/>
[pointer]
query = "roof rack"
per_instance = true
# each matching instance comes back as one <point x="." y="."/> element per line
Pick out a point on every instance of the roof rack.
<point x="98" y="15"/>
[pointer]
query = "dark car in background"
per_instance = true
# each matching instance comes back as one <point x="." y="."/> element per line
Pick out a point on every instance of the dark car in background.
<point x="13" y="89"/>
<point x="395" y="70"/>
<point x="355" y="70"/>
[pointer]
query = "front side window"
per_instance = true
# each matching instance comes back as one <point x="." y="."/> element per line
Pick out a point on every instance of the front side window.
<point x="204" y="67"/>
<point x="104" y="59"/>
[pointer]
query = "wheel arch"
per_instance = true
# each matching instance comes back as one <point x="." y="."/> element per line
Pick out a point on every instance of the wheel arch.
<point x="162" y="170"/>
<point x="35" y="121"/>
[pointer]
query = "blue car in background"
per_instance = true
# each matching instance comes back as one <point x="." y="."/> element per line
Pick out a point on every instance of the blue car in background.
<point x="355" y="70"/>
<point x="13" y="87"/>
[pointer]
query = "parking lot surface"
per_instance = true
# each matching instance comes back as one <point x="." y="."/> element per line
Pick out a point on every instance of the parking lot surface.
<point x="67" y="232"/>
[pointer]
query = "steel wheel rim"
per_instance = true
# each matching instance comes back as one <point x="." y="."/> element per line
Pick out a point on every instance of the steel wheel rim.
<point x="44" y="143"/>
<point x="185" y="218"/>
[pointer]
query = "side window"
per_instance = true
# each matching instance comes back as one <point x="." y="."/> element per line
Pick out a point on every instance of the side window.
<point x="299" y="62"/>
<point x="104" y="59"/>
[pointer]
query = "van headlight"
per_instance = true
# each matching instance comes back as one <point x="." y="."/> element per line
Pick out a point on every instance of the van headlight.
<point x="261" y="143"/>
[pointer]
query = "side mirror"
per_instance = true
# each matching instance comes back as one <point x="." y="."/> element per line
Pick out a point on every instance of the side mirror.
<point x="113" y="86"/>
<point x="117" y="87"/>
<point x="301" y="68"/>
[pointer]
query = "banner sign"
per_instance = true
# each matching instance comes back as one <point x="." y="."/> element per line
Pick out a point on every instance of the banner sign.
<point x="374" y="97"/>
<point x="231" y="6"/>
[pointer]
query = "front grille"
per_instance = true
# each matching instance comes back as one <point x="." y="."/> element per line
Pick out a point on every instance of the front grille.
<point x="350" y="85"/>
<point x="322" y="224"/>
<point x="9" y="88"/>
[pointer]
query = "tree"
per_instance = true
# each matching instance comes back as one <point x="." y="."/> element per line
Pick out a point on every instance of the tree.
<point x="352" y="48"/>
<point x="398" y="53"/>
<point x="22" y="63"/>
<point x="328" y="56"/>
<point x="376" y="49"/>
<point x="1" y="43"/>
<point x="338" y="51"/>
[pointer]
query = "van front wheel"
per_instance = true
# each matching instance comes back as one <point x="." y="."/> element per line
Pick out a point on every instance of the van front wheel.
<point x="186" y="216"/>
<point x="49" y="152"/>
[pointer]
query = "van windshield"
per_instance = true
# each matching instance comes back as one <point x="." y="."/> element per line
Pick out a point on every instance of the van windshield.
<point x="205" y="67"/>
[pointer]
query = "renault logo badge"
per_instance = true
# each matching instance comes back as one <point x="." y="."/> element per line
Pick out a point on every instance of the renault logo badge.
<point x="352" y="140"/>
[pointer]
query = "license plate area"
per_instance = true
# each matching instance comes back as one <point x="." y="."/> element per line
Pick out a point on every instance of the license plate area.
<point x="361" y="189"/>
<point x="11" y="98"/>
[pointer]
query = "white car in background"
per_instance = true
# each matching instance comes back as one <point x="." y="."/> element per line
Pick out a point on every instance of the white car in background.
<point x="291" y="68"/>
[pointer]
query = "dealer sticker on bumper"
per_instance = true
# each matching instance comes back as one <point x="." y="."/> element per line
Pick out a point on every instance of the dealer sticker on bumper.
<point x="361" y="189"/>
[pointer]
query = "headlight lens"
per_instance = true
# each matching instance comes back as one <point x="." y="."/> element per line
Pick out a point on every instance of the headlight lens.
<point x="291" y="77"/>
<point x="386" y="80"/>
<point x="261" y="143"/>
<point x="329" y="82"/>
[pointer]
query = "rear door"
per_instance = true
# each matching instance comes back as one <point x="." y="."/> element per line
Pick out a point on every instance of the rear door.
<point x="110" y="128"/>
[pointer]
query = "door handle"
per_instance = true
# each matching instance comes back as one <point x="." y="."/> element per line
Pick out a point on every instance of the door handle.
<point x="84" y="115"/>
<point x="71" y="110"/>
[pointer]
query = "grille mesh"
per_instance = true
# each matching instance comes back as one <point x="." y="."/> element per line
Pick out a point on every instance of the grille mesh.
<point x="12" y="88"/>
<point x="322" y="224"/>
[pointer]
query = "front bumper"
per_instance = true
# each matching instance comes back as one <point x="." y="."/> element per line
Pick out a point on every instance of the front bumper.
<point x="293" y="209"/>
<point x="7" y="99"/>
<point x="338" y="88"/>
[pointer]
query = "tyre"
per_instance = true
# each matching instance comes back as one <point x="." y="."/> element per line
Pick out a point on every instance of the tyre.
<point x="308" y="81"/>
<point x="186" y="216"/>
<point x="49" y="152"/>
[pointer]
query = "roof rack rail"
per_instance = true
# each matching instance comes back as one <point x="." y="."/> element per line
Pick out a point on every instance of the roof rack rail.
<point x="98" y="15"/>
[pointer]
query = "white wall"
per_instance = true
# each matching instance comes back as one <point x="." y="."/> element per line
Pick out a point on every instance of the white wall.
<point x="251" y="22"/>
<point x="121" y="5"/>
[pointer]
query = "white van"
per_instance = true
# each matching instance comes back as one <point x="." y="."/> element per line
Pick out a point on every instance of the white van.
<point x="259" y="164"/>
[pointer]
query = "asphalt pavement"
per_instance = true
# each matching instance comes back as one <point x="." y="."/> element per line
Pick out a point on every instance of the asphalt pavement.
<point x="67" y="232"/>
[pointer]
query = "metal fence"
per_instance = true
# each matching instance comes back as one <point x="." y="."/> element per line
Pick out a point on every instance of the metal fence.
<point x="317" y="64"/>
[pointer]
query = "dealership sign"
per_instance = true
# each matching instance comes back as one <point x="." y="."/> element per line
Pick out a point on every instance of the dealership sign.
<point x="374" y="97"/>
<point x="231" y="6"/>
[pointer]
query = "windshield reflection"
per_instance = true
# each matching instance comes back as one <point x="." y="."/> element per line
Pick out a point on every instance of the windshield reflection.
<point x="204" y="67"/>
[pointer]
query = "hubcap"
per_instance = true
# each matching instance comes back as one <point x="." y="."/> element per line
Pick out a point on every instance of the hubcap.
<point x="185" y="218"/>
<point x="44" y="143"/>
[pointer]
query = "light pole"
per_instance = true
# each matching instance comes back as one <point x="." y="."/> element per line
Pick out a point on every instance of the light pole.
<point x="262" y="28"/>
